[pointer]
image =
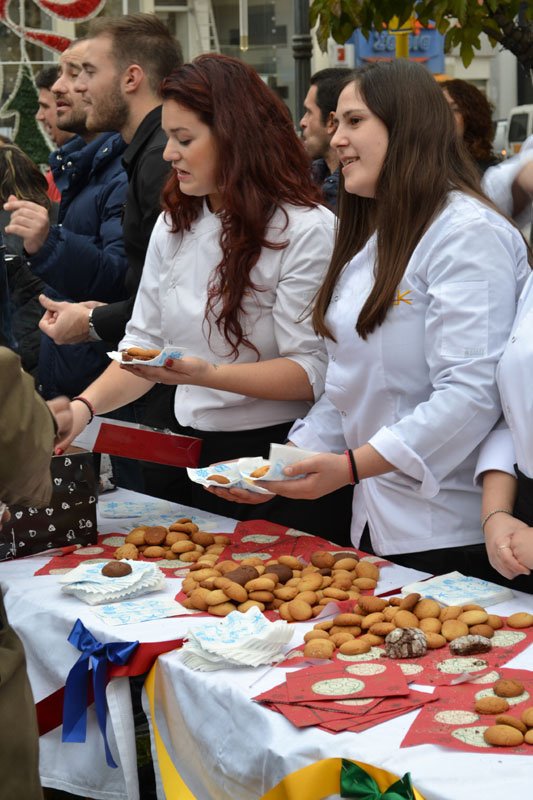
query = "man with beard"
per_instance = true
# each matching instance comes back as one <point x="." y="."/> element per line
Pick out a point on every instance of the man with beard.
<point x="83" y="255"/>
<point x="47" y="117"/>
<point x="125" y="61"/>
<point x="318" y="128"/>
<point x="124" y="64"/>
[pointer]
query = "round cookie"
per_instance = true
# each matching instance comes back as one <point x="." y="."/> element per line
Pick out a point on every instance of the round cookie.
<point x="514" y="722"/>
<point x="427" y="609"/>
<point x="473" y="617"/>
<point x="520" y="620"/>
<point x="527" y="717"/>
<point x="128" y="551"/>
<point x="434" y="640"/>
<point x="319" y="648"/>
<point x="469" y="645"/>
<point x="507" y="688"/>
<point x="116" y="569"/>
<point x="355" y="648"/>
<point x="503" y="736"/>
<point x="452" y="629"/>
<point x="217" y="478"/>
<point x="491" y="705"/>
<point x="405" y="643"/>
<point x="155" y="535"/>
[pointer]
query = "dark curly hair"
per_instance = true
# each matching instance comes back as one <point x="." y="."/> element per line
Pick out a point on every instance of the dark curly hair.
<point x="476" y="112"/>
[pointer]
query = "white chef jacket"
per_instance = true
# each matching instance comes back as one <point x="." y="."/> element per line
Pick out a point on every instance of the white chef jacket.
<point x="171" y="300"/>
<point x="512" y="442"/>
<point x="498" y="181"/>
<point x="421" y="389"/>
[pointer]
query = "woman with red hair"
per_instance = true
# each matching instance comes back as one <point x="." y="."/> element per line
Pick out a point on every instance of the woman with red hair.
<point x="233" y="265"/>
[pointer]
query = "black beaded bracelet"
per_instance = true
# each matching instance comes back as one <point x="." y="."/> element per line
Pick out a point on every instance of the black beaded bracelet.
<point x="353" y="466"/>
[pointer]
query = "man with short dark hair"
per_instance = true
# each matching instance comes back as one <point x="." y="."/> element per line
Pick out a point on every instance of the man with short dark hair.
<point x="126" y="60"/>
<point x="318" y="127"/>
<point x="46" y="114"/>
<point x="83" y="255"/>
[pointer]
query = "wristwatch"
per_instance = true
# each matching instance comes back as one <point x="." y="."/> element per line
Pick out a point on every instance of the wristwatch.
<point x="93" y="336"/>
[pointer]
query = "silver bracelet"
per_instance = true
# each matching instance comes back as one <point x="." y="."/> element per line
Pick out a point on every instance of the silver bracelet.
<point x="491" y="514"/>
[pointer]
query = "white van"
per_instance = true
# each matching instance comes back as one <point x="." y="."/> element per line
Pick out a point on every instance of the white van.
<point x="519" y="128"/>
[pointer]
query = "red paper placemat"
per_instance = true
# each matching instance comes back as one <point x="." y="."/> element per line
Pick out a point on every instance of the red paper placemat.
<point x="335" y="716"/>
<point x="258" y="538"/>
<point x="342" y="682"/>
<point x="266" y="540"/>
<point x="388" y="708"/>
<point x="452" y="721"/>
<point x="440" y="667"/>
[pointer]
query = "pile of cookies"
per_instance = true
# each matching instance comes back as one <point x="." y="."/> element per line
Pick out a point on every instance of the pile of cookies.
<point x="509" y="731"/>
<point x="297" y="591"/>
<point x="181" y="541"/>
<point x="467" y="629"/>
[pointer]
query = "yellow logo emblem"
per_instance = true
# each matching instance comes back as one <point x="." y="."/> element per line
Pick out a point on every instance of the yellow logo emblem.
<point x="401" y="297"/>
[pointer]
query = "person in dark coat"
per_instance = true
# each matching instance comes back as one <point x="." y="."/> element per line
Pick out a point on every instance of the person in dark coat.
<point x="19" y="176"/>
<point x="82" y="257"/>
<point x="318" y="128"/>
<point x="127" y="58"/>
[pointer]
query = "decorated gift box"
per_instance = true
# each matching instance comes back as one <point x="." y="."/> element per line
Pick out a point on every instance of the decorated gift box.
<point x="70" y="517"/>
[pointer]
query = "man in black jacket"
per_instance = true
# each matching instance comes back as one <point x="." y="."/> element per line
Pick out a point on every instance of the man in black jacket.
<point x="126" y="60"/>
<point x="318" y="128"/>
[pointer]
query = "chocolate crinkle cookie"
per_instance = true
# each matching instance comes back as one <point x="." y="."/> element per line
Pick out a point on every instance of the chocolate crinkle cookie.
<point x="469" y="645"/>
<point x="405" y="643"/>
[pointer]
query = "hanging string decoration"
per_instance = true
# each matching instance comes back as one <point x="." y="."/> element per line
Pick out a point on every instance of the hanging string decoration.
<point x="17" y="111"/>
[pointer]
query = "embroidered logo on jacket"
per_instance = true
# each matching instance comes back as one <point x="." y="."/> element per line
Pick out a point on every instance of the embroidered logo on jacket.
<point x="401" y="297"/>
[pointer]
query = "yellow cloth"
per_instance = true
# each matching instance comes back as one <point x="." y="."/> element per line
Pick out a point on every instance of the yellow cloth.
<point x="313" y="782"/>
<point x="322" y="778"/>
<point x="173" y="784"/>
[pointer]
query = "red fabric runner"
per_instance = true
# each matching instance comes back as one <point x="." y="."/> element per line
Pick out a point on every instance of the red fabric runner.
<point x="50" y="709"/>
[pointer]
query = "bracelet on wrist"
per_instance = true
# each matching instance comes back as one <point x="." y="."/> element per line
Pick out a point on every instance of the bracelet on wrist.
<point x="491" y="514"/>
<point x="87" y="404"/>
<point x="353" y="467"/>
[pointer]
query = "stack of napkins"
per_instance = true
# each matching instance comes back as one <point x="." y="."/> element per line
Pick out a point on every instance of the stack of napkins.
<point x="238" y="640"/>
<point x="455" y="589"/>
<point x="87" y="583"/>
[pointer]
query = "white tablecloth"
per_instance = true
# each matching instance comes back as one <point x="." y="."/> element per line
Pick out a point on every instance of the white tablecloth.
<point x="226" y="747"/>
<point x="44" y="616"/>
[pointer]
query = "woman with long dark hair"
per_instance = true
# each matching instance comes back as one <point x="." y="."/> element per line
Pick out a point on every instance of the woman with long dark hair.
<point x="415" y="311"/>
<point x="473" y="120"/>
<point x="233" y="264"/>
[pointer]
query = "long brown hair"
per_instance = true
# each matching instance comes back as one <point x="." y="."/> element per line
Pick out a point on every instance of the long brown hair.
<point x="261" y="164"/>
<point x="425" y="160"/>
<point x="476" y="112"/>
<point x="21" y="177"/>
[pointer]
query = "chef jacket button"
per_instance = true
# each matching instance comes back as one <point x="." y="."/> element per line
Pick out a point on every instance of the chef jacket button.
<point x="343" y="413"/>
<point x="335" y="297"/>
<point x="513" y="338"/>
<point x="332" y="358"/>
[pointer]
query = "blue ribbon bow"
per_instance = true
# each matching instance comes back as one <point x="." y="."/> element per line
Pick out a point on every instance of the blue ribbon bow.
<point x="95" y="654"/>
